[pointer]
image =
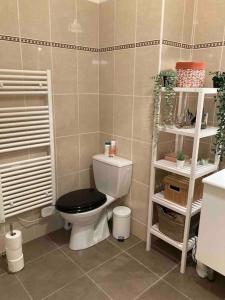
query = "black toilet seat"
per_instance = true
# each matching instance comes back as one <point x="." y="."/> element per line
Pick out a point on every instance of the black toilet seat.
<point x="80" y="201"/>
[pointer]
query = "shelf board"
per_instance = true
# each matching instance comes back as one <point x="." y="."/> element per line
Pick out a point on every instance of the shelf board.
<point x="211" y="91"/>
<point x="186" y="170"/>
<point x="155" y="231"/>
<point x="159" y="199"/>
<point x="190" y="132"/>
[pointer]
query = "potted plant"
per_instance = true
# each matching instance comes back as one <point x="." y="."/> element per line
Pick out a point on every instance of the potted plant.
<point x="220" y="135"/>
<point x="168" y="80"/>
<point x="218" y="79"/>
<point x="180" y="159"/>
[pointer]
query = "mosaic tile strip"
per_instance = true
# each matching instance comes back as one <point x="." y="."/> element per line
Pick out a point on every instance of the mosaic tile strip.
<point x="177" y="44"/>
<point x="111" y="48"/>
<point x="125" y="46"/>
<point x="209" y="45"/>
<point x="148" y="43"/>
<point x="9" y="38"/>
<point x="35" y="42"/>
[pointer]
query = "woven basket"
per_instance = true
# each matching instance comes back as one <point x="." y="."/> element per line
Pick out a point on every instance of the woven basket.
<point x="190" y="74"/>
<point x="172" y="224"/>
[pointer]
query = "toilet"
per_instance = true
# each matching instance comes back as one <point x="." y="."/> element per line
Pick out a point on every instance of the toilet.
<point x="88" y="209"/>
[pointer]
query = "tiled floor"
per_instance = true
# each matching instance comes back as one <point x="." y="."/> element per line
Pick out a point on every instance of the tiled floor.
<point x="109" y="270"/>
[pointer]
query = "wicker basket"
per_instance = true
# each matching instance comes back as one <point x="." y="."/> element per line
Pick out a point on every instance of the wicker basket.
<point x="172" y="224"/>
<point x="176" y="189"/>
<point x="190" y="74"/>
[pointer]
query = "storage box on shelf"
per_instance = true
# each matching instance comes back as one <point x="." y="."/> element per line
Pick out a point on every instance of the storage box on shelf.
<point x="192" y="170"/>
<point x="176" y="189"/>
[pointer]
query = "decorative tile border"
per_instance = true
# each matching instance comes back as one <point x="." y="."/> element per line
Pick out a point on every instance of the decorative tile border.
<point x="209" y="45"/>
<point x="111" y="48"/>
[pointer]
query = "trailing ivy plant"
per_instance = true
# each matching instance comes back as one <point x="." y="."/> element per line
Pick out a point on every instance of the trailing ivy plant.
<point x="220" y="136"/>
<point x="168" y="80"/>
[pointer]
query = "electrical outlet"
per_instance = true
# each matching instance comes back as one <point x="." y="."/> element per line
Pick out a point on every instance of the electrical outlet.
<point x="47" y="211"/>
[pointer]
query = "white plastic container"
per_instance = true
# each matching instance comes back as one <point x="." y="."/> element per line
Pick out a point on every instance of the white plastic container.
<point x="121" y="222"/>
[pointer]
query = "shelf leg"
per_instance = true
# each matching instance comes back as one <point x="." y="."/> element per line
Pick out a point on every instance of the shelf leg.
<point x="192" y="181"/>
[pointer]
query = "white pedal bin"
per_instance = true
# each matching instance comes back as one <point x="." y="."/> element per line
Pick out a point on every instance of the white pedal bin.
<point x="121" y="222"/>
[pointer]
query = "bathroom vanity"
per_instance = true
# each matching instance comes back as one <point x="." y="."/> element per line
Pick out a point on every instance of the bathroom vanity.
<point x="211" y="238"/>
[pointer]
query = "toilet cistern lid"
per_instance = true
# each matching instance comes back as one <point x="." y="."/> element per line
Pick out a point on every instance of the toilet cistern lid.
<point x="114" y="161"/>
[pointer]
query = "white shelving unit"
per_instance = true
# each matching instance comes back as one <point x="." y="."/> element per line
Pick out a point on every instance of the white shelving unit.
<point x="191" y="170"/>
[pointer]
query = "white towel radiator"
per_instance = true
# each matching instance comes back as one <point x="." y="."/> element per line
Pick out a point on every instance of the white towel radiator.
<point x="26" y="184"/>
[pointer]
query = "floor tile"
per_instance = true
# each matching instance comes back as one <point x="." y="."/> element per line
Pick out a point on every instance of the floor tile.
<point x="122" y="277"/>
<point x="89" y="258"/>
<point x="162" y="291"/>
<point x="11" y="289"/>
<point x="60" y="237"/>
<point x="132" y="240"/>
<point x="37" y="248"/>
<point x="48" y="273"/>
<point x="195" y="287"/>
<point x="154" y="260"/>
<point x="81" y="289"/>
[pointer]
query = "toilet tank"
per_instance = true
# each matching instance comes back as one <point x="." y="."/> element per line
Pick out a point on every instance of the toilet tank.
<point x="112" y="175"/>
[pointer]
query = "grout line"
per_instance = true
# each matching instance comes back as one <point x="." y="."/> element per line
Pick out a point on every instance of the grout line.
<point x="98" y="286"/>
<point x="154" y="283"/>
<point x="124" y="250"/>
<point x="175" y="288"/>
<point x="59" y="289"/>
<point x="23" y="286"/>
<point x="126" y="138"/>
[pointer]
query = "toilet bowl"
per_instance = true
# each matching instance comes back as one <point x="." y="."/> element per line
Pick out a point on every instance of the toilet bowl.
<point x="87" y="209"/>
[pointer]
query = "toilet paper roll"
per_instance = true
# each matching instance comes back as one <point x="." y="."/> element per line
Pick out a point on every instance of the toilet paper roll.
<point x="13" y="254"/>
<point x="16" y="265"/>
<point x="13" y="241"/>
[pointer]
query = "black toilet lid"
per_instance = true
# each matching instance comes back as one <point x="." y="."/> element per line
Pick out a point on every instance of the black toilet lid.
<point x="80" y="201"/>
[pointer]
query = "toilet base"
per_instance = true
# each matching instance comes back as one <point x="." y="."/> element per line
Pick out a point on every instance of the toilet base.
<point x="85" y="236"/>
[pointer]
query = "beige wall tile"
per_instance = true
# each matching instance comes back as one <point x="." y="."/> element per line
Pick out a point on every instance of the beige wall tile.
<point x="138" y="229"/>
<point x="124" y="72"/>
<point x="123" y="147"/>
<point x="210" y="22"/>
<point x="65" y="115"/>
<point x="34" y="19"/>
<point x="88" y="69"/>
<point x="106" y="72"/>
<point x="123" y="115"/>
<point x="188" y="21"/>
<point x="67" y="184"/>
<point x="86" y="179"/>
<point x="141" y="159"/>
<point x="173" y="20"/>
<point x="106" y="23"/>
<point x="106" y="113"/>
<point x="170" y="55"/>
<point x="63" y="14"/>
<point x="36" y="57"/>
<point x="146" y="66"/>
<point x="89" y="146"/>
<point x="9" y="18"/>
<point x="64" y="71"/>
<point x="88" y="17"/>
<point x="67" y="155"/>
<point x="212" y="58"/>
<point x="88" y="113"/>
<point x="139" y="201"/>
<point x="14" y="156"/>
<point x="125" y="15"/>
<point x="148" y="20"/>
<point x="143" y="118"/>
<point x="10" y="56"/>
